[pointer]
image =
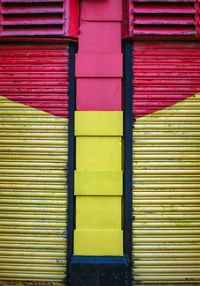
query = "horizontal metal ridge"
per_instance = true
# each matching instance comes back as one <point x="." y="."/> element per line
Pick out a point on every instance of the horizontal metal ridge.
<point x="33" y="161"/>
<point x="166" y="162"/>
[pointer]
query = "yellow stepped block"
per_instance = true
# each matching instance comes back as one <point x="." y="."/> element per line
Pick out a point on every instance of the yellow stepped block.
<point x="103" y="183"/>
<point x="98" y="242"/>
<point x="94" y="212"/>
<point x="98" y="153"/>
<point x="99" y="123"/>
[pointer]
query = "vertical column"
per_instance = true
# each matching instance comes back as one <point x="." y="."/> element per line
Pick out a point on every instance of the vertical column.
<point x="98" y="186"/>
<point x="99" y="131"/>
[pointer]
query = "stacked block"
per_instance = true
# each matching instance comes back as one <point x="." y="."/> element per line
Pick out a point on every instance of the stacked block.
<point x="99" y="131"/>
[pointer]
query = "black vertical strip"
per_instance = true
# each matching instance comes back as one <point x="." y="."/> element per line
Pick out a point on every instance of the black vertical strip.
<point x="71" y="153"/>
<point x="128" y="119"/>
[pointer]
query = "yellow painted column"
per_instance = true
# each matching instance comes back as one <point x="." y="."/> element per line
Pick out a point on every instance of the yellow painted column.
<point x="98" y="183"/>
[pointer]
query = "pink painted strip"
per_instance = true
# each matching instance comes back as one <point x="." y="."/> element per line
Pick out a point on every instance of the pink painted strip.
<point x="99" y="65"/>
<point x="100" y="37"/>
<point x="99" y="61"/>
<point x="98" y="94"/>
<point x="107" y="10"/>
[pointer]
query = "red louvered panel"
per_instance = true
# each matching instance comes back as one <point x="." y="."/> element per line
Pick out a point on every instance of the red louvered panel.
<point x="163" y="17"/>
<point x="39" y="17"/>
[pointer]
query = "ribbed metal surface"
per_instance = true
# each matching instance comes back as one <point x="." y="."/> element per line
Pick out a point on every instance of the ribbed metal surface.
<point x="34" y="17"/>
<point x="164" y="17"/>
<point x="166" y="163"/>
<point x="30" y="283"/>
<point x="33" y="163"/>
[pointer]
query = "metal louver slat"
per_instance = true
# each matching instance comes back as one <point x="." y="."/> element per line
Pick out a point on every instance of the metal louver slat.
<point x="33" y="162"/>
<point x="164" y="17"/>
<point x="33" y="17"/>
<point x="166" y="163"/>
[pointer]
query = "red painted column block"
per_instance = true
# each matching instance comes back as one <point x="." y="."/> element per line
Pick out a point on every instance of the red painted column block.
<point x="103" y="10"/>
<point x="99" y="65"/>
<point x="98" y="94"/>
<point x="100" y="37"/>
<point x="99" y="59"/>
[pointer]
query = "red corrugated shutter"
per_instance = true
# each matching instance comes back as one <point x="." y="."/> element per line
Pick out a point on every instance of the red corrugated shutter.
<point x="34" y="82"/>
<point x="166" y="163"/>
<point x="36" y="75"/>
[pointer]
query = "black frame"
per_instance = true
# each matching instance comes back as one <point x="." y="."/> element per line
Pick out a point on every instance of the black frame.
<point x="102" y="270"/>
<point x="128" y="147"/>
<point x="71" y="153"/>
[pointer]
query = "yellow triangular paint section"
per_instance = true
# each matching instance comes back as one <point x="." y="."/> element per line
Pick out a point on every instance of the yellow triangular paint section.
<point x="166" y="194"/>
<point x="189" y="106"/>
<point x="33" y="202"/>
<point x="8" y="106"/>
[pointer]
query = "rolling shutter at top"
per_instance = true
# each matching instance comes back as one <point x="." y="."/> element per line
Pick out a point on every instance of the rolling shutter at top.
<point x="166" y="163"/>
<point x="34" y="82"/>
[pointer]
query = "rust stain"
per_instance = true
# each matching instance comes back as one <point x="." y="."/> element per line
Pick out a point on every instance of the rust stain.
<point x="30" y="283"/>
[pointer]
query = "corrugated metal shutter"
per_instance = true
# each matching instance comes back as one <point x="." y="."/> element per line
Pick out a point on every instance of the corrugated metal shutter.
<point x="166" y="162"/>
<point x="34" y="17"/>
<point x="33" y="161"/>
<point x="164" y="17"/>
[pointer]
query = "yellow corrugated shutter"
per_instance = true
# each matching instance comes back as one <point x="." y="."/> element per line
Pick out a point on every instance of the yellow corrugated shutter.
<point x="33" y="161"/>
<point x="166" y="163"/>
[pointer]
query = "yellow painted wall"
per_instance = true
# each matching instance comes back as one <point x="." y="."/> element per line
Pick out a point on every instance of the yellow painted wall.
<point x="99" y="183"/>
<point x="166" y="196"/>
<point x="33" y="201"/>
<point x="98" y="242"/>
<point x="98" y="153"/>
